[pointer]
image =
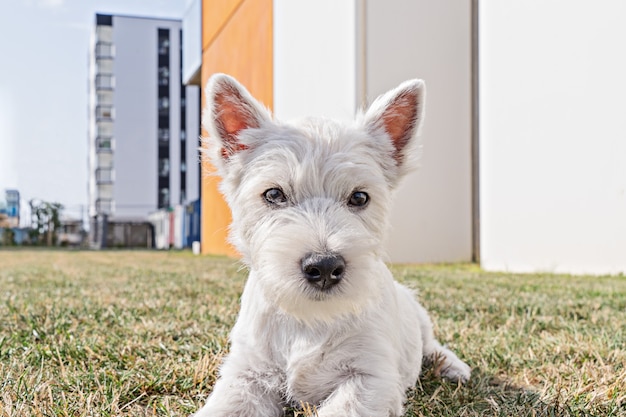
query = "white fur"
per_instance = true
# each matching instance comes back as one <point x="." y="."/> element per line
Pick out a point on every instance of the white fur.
<point x="352" y="350"/>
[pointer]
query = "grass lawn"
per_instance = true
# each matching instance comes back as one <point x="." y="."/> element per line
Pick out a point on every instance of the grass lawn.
<point x="139" y="333"/>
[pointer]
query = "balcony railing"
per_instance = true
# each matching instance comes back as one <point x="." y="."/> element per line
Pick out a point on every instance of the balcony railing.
<point x="104" y="175"/>
<point x="104" y="50"/>
<point x="104" y="206"/>
<point x="105" y="82"/>
<point x="104" y="112"/>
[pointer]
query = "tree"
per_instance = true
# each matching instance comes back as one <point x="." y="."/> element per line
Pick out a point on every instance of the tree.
<point x="45" y="222"/>
<point x="8" y="236"/>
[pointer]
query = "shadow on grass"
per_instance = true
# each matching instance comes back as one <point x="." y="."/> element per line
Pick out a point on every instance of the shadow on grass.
<point x="484" y="395"/>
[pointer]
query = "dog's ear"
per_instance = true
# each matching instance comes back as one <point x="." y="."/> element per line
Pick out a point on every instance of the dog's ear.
<point x="230" y="109"/>
<point x="399" y="112"/>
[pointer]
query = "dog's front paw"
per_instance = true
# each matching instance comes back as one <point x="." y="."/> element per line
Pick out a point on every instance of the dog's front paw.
<point x="449" y="366"/>
<point x="456" y="370"/>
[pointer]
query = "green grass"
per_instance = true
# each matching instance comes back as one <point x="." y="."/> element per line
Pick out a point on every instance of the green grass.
<point x="139" y="333"/>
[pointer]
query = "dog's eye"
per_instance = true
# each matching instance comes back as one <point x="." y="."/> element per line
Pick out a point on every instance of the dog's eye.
<point x="275" y="196"/>
<point x="358" y="199"/>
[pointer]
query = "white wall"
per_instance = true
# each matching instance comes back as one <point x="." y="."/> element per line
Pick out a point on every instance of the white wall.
<point x="314" y="59"/>
<point x="135" y="123"/>
<point x="192" y="42"/>
<point x="192" y="142"/>
<point x="331" y="57"/>
<point x="432" y="216"/>
<point x="553" y="135"/>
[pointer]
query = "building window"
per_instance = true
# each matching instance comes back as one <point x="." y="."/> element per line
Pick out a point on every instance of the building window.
<point x="164" y="105"/>
<point x="163" y="91"/>
<point x="104" y="19"/>
<point x="164" y="167"/>
<point x="164" y="197"/>
<point x="164" y="44"/>
<point x="182" y="127"/>
<point x="164" y="135"/>
<point x="164" y="76"/>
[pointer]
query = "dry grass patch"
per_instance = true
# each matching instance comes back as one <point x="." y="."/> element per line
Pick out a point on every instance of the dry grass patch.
<point x="133" y="333"/>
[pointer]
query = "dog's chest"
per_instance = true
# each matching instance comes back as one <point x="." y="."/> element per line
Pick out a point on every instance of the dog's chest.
<point x="314" y="367"/>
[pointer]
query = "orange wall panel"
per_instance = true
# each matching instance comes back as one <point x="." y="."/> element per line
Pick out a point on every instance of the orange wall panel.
<point x="215" y="14"/>
<point x="243" y="49"/>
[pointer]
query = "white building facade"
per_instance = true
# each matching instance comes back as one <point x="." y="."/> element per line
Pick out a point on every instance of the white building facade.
<point x="524" y="140"/>
<point x="143" y="122"/>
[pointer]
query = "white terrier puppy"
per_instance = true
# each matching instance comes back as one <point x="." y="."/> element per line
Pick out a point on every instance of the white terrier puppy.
<point x="322" y="320"/>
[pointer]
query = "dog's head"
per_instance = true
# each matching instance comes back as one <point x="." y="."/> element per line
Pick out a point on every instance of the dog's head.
<point x="310" y="200"/>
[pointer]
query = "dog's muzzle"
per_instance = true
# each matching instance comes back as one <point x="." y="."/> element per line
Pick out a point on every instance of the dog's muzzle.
<point x="323" y="270"/>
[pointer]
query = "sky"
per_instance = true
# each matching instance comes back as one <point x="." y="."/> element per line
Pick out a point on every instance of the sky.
<point x="43" y="93"/>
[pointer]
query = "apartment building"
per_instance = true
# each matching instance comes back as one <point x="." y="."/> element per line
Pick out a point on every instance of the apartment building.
<point x="143" y="122"/>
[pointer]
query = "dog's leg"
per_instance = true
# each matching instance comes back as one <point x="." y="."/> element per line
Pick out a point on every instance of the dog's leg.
<point x="364" y="395"/>
<point x="449" y="365"/>
<point x="243" y="395"/>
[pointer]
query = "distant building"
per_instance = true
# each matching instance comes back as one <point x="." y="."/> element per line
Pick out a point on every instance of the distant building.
<point x="143" y="122"/>
<point x="70" y="233"/>
<point x="10" y="212"/>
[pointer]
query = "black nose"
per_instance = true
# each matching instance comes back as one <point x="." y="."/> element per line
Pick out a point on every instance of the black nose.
<point x="323" y="270"/>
